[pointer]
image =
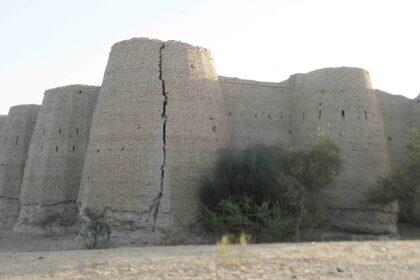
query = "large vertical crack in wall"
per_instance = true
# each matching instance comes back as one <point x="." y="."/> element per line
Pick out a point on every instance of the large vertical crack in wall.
<point x="157" y="200"/>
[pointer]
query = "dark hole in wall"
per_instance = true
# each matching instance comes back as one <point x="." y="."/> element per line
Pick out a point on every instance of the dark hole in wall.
<point x="230" y="114"/>
<point x="139" y="127"/>
<point x="17" y="140"/>
<point x="319" y="114"/>
<point x="97" y="151"/>
<point x="320" y="103"/>
<point x="214" y="128"/>
<point x="122" y="149"/>
<point x="80" y="91"/>
<point x="343" y="114"/>
<point x="77" y="131"/>
<point x="389" y="138"/>
<point x="255" y="115"/>
<point x="281" y="117"/>
<point x="42" y="148"/>
<point x="268" y="116"/>
<point x="211" y="118"/>
<point x="56" y="149"/>
<point x="242" y="114"/>
<point x="366" y="116"/>
<point x="59" y="131"/>
<point x="74" y="148"/>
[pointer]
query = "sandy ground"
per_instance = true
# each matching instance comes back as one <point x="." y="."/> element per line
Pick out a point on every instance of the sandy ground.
<point x="328" y="260"/>
<point x="335" y="260"/>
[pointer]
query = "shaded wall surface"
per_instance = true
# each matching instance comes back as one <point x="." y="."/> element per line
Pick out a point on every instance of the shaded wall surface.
<point x="154" y="132"/>
<point x="340" y="101"/>
<point x="53" y="170"/>
<point x="257" y="112"/>
<point x="14" y="144"/>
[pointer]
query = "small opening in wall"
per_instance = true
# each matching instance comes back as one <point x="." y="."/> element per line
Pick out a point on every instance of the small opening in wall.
<point x="366" y="116"/>
<point x="14" y="155"/>
<point x="211" y="118"/>
<point x="214" y="128"/>
<point x="42" y="148"/>
<point x="343" y="114"/>
<point x="320" y="103"/>
<point x="80" y="91"/>
<point x="74" y="149"/>
<point x="242" y="114"/>
<point x="255" y="115"/>
<point x="319" y="114"/>
<point x="77" y="131"/>
<point x="17" y="140"/>
<point x="139" y="127"/>
<point x="230" y="114"/>
<point x="389" y="138"/>
<point x="281" y="117"/>
<point x="268" y="116"/>
<point x="122" y="148"/>
<point x="56" y="149"/>
<point x="97" y="151"/>
<point x="59" y="131"/>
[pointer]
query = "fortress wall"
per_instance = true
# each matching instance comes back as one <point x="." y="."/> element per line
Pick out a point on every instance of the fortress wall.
<point x="2" y="121"/>
<point x="414" y="207"/>
<point x="122" y="169"/>
<point x="16" y="134"/>
<point x="53" y="170"/>
<point x="341" y="102"/>
<point x="396" y="116"/>
<point x="196" y="129"/>
<point x="155" y="132"/>
<point x="257" y="112"/>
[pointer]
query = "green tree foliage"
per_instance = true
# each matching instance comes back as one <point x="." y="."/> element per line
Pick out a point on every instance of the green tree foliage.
<point x="96" y="232"/>
<point x="273" y="180"/>
<point x="401" y="182"/>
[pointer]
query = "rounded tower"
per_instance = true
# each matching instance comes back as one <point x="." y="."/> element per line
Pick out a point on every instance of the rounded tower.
<point x="16" y="135"/>
<point x="53" y="170"/>
<point x="341" y="102"/>
<point x="156" y="130"/>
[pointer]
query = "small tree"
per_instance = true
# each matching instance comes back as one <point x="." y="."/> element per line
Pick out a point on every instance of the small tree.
<point x="401" y="182"/>
<point x="308" y="171"/>
<point x="270" y="178"/>
<point x="96" y="232"/>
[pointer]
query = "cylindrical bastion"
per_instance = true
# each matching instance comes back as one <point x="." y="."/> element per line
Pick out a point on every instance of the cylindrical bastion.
<point x="156" y="130"/>
<point x="15" y="135"/>
<point x="55" y="161"/>
<point x="341" y="102"/>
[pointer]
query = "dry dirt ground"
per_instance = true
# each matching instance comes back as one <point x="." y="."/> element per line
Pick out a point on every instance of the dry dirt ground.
<point x="328" y="260"/>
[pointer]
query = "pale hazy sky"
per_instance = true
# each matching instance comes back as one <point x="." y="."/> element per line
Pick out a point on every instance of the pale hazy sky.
<point x="50" y="43"/>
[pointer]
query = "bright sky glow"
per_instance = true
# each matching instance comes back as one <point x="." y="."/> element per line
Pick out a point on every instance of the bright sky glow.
<point x="50" y="43"/>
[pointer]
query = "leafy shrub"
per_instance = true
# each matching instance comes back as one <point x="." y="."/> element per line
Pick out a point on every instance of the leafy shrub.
<point x="401" y="182"/>
<point x="242" y="215"/>
<point x="262" y="190"/>
<point x="96" y="232"/>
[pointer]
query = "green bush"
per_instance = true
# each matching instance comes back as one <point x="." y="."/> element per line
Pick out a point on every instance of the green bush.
<point x="400" y="182"/>
<point x="242" y="215"/>
<point x="96" y="232"/>
<point x="271" y="180"/>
